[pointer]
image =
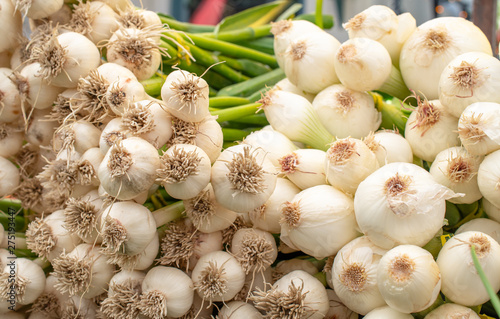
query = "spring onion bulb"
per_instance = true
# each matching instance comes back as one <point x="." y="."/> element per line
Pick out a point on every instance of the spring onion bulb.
<point x="286" y="85"/>
<point x="10" y="98"/>
<point x="184" y="171"/>
<point x="452" y="310"/>
<point x="287" y="266"/>
<point x="206" y="134"/>
<point x="381" y="24"/>
<point x="122" y="93"/>
<point x="304" y="167"/>
<point x="387" y="312"/>
<point x="111" y="134"/>
<point x="431" y="129"/>
<point x="65" y="58"/>
<point x="389" y="147"/>
<point x="138" y="18"/>
<point x="488" y="178"/>
<point x="78" y="136"/>
<point x="345" y="112"/>
<point x="408" y="278"/>
<point x="354" y="275"/>
<point x="127" y="228"/>
<point x="308" y="221"/>
<point x="274" y="143"/>
<point x="166" y="291"/>
<point x="11" y="139"/>
<point x="123" y="295"/>
<point x="84" y="271"/>
<point x="491" y="210"/>
<point x="25" y="280"/>
<point x="460" y="281"/>
<point x="468" y="78"/>
<point x="218" y="276"/>
<point x="34" y="89"/>
<point x="48" y="237"/>
<point x="400" y="203"/>
<point x="238" y="309"/>
<point x="136" y="49"/>
<point x="12" y="25"/>
<point x="485" y="225"/>
<point x="206" y="213"/>
<point x="129" y="168"/>
<point x="348" y="162"/>
<point x="182" y="246"/>
<point x="285" y="31"/>
<point x="285" y="110"/>
<point x="337" y="309"/>
<point x="456" y="169"/>
<point x="295" y="295"/>
<point x="38" y="9"/>
<point x="308" y="63"/>
<point x="186" y="96"/>
<point x="9" y="174"/>
<point x="267" y="216"/>
<point x="479" y="129"/>
<point x="148" y="120"/>
<point x="95" y="20"/>
<point x="243" y="178"/>
<point x="254" y="249"/>
<point x="432" y="46"/>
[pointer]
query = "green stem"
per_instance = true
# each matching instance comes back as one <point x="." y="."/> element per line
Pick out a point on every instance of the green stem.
<point x="226" y="101"/>
<point x="395" y="86"/>
<point x="233" y="50"/>
<point x="319" y="13"/>
<point x="249" y="87"/>
<point x="232" y="134"/>
<point x="207" y="59"/>
<point x="264" y="45"/>
<point x="184" y="26"/>
<point x="255" y="120"/>
<point x="168" y="213"/>
<point x="236" y="112"/>
<point x="153" y="85"/>
<point x="246" y="66"/>
<point x="243" y="34"/>
<point x="495" y="301"/>
<point x="394" y="112"/>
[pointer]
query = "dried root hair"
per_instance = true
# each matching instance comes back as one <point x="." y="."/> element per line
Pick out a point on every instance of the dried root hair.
<point x="47" y="304"/>
<point x="183" y="132"/>
<point x="178" y="166"/>
<point x="228" y="233"/>
<point x="80" y="217"/>
<point x="29" y="192"/>
<point x="212" y="283"/>
<point x="10" y="283"/>
<point x="246" y="174"/>
<point x="92" y="98"/>
<point x="280" y="304"/>
<point x="39" y="238"/>
<point x="177" y="245"/>
<point x="123" y="303"/>
<point x="138" y="119"/>
<point x="73" y="274"/>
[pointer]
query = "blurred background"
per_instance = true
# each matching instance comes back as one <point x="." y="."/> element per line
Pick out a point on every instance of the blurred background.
<point x="211" y="11"/>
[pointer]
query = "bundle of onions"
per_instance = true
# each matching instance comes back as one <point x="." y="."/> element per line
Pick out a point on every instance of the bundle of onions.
<point x="346" y="112"/>
<point x="456" y="169"/>
<point x="295" y="295"/>
<point x="432" y="46"/>
<point x="354" y="275"/>
<point x="400" y="203"/>
<point x="460" y="280"/>
<point x="468" y="78"/>
<point x="310" y="218"/>
<point x="381" y="24"/>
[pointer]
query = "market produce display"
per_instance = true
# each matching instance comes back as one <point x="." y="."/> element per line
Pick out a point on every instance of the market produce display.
<point x="259" y="168"/>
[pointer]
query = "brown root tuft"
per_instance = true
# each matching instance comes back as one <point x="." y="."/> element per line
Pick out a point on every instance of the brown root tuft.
<point x="245" y="173"/>
<point x="73" y="274"/>
<point x="290" y="214"/>
<point x="178" y="166"/>
<point x="354" y="277"/>
<point x="39" y="238"/>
